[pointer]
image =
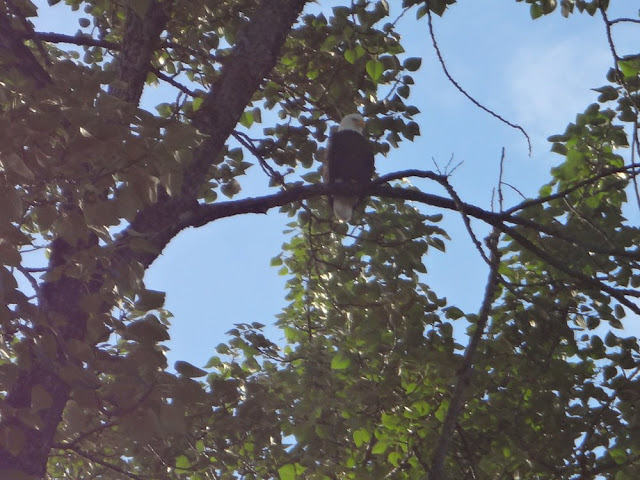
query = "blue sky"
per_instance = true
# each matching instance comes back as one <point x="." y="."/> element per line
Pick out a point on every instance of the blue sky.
<point x="534" y="73"/>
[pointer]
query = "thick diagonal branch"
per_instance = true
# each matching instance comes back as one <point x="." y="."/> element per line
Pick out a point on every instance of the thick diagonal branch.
<point x="253" y="58"/>
<point x="19" y="55"/>
<point x="141" y="38"/>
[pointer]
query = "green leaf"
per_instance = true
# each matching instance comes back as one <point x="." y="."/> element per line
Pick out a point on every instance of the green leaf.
<point x="374" y="70"/>
<point x="453" y="313"/>
<point x="441" y="413"/>
<point x="412" y="64"/>
<point x="535" y="11"/>
<point x="437" y="6"/>
<point x="437" y="243"/>
<point x="287" y="472"/>
<point x="361" y="436"/>
<point x="340" y="362"/>
<point x="148" y="330"/>
<point x="183" y="462"/>
<point x="619" y="455"/>
<point x="187" y="370"/>
<point x="246" y="120"/>
<point x="197" y="103"/>
<point x="165" y="109"/>
<point x="350" y="56"/>
<point x="380" y="447"/>
<point x="630" y="67"/>
<point x="150" y="300"/>
<point x="549" y="6"/>
<point x="257" y="115"/>
<point x="395" y="458"/>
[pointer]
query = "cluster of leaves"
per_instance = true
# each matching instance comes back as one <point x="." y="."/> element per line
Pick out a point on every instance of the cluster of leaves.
<point x="544" y="7"/>
<point x="348" y="393"/>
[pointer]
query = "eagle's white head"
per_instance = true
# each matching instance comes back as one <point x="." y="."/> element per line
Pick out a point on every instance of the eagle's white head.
<point x="353" y="121"/>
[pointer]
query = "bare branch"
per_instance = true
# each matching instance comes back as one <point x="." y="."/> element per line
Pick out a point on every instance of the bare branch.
<point x="247" y="143"/>
<point x="463" y="91"/>
<point x="80" y="40"/>
<point x="563" y="193"/>
<point x="166" y="78"/>
<point x="589" y="282"/>
<point x="27" y="274"/>
<point x="110" y="466"/>
<point x="466" y="370"/>
<point x="624" y="20"/>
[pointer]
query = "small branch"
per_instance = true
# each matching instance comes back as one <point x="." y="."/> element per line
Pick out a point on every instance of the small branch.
<point x="247" y="143"/>
<point x="166" y="78"/>
<point x="444" y="181"/>
<point x="472" y="462"/>
<point x="500" y="181"/>
<point x="578" y="185"/>
<point x="27" y="274"/>
<point x="409" y="173"/>
<point x="463" y="91"/>
<point x="25" y="61"/>
<point x="465" y="218"/>
<point x="80" y="40"/>
<point x="618" y="294"/>
<point x="624" y="20"/>
<point x="115" y="468"/>
<point x="466" y="370"/>
<point x="28" y="26"/>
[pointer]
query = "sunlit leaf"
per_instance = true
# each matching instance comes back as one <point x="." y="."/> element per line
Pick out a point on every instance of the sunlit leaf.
<point x="374" y="69"/>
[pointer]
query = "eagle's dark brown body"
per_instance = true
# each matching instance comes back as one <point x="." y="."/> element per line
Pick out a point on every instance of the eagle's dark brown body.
<point x="349" y="160"/>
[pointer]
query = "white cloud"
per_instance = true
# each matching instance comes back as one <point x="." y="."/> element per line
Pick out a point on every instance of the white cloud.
<point x="546" y="86"/>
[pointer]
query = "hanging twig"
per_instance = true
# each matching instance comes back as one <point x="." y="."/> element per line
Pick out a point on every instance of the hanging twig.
<point x="463" y="91"/>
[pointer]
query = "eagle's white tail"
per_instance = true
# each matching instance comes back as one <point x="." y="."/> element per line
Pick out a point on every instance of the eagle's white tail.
<point x="343" y="208"/>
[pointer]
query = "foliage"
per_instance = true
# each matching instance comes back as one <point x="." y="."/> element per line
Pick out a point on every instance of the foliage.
<point x="374" y="378"/>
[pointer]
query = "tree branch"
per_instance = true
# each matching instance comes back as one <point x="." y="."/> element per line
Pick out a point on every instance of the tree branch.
<point x="99" y="461"/>
<point x="80" y="40"/>
<point x="21" y="57"/>
<point x="466" y="370"/>
<point x="463" y="91"/>
<point x="141" y="38"/>
<point x="253" y="57"/>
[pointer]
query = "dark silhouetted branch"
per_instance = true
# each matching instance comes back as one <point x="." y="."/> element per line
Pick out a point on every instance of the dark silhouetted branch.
<point x="466" y="370"/>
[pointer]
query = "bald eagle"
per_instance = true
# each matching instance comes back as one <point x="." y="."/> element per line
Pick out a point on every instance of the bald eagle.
<point x="349" y="160"/>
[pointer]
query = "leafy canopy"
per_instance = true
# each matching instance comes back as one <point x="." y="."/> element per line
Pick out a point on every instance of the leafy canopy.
<point x="375" y="377"/>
